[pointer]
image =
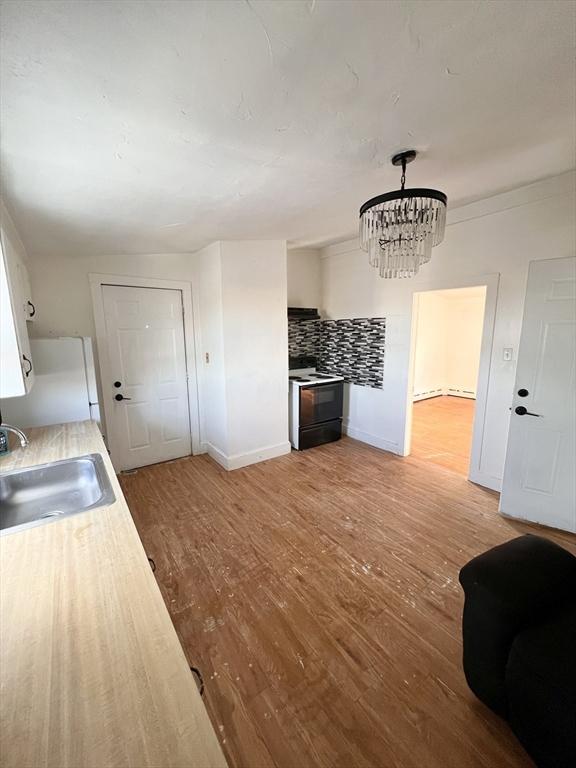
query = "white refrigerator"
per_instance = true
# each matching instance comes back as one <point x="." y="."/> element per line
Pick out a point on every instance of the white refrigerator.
<point x="65" y="385"/>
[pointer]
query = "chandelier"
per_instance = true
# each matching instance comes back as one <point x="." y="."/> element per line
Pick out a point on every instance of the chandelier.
<point x="399" y="229"/>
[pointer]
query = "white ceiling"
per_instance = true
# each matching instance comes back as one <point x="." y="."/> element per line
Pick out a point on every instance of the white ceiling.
<point x="138" y="127"/>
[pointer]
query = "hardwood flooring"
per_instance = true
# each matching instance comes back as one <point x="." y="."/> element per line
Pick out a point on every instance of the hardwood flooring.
<point x="442" y="431"/>
<point x="318" y="594"/>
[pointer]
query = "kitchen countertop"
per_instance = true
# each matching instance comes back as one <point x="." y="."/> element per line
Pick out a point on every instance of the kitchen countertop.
<point x="92" y="672"/>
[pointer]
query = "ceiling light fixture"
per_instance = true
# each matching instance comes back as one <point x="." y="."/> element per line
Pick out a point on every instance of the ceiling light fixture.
<point x="399" y="229"/>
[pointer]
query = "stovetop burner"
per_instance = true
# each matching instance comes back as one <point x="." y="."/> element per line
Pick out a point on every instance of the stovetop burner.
<point x="298" y="378"/>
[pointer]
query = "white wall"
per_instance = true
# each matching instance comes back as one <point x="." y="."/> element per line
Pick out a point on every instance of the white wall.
<point x="464" y="323"/>
<point x="430" y="355"/>
<point x="61" y="289"/>
<point x="448" y="339"/>
<point x="496" y="236"/>
<point x="255" y="329"/>
<point x="304" y="277"/>
<point x="212" y="382"/>
<point x="239" y="292"/>
<point x="62" y="293"/>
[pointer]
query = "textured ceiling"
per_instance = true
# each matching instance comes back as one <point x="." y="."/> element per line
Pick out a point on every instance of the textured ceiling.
<point x="138" y="127"/>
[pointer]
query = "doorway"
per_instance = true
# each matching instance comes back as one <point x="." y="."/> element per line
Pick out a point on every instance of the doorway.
<point x="448" y="332"/>
<point x="145" y="353"/>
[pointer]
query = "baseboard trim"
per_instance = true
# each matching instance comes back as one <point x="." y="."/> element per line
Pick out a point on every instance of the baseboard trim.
<point x="367" y="437"/>
<point x="443" y="392"/>
<point x="486" y="481"/>
<point x="428" y="394"/>
<point x="239" y="460"/>
<point x="460" y="393"/>
<point x="216" y="454"/>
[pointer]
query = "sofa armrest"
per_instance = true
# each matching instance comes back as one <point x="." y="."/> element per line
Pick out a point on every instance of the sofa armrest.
<point x="506" y="589"/>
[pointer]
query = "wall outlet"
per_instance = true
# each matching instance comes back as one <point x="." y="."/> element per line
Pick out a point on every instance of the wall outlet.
<point x="507" y="354"/>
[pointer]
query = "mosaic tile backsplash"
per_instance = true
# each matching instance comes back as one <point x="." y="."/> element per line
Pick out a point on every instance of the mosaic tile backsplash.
<point x="303" y="337"/>
<point x="353" y="349"/>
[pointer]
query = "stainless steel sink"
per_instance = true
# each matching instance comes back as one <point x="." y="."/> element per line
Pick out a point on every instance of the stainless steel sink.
<point x="47" y="492"/>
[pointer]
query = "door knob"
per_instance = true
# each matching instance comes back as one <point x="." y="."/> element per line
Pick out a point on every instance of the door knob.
<point x="523" y="393"/>
<point x="521" y="411"/>
<point x="117" y="384"/>
<point x="120" y="397"/>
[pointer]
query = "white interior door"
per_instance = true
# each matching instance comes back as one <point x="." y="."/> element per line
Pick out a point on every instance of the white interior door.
<point x="539" y="476"/>
<point x="148" y="385"/>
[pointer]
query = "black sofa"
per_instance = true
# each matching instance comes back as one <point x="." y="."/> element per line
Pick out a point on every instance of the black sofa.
<point x="519" y="636"/>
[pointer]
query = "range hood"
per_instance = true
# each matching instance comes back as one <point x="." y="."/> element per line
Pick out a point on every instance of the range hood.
<point x="303" y="313"/>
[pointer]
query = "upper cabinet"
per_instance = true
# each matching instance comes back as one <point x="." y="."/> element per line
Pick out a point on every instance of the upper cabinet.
<point x="25" y="292"/>
<point x="16" y="308"/>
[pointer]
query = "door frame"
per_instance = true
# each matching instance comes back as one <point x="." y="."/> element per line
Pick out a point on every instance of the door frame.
<point x="491" y="282"/>
<point x="97" y="281"/>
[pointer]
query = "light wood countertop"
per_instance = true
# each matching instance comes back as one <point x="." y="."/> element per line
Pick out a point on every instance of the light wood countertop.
<point x="92" y="671"/>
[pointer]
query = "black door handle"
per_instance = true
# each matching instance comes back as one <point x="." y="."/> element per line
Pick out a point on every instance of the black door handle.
<point x="117" y="384"/>
<point x="120" y="397"/>
<point x="33" y="312"/>
<point x="29" y="371"/>
<point x="521" y="411"/>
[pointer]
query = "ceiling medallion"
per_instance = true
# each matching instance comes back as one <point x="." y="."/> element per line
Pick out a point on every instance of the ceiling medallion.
<point x="399" y="229"/>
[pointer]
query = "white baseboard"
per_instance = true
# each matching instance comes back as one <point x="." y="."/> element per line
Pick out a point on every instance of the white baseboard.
<point x="261" y="454"/>
<point x="217" y="455"/>
<point x="439" y="392"/>
<point x="487" y="481"/>
<point x="239" y="460"/>
<point x="367" y="437"/>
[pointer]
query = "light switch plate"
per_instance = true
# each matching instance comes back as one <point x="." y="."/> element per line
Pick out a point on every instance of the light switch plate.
<point x="507" y="353"/>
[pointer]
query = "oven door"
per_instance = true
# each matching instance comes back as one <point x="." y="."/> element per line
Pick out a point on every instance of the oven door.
<point x="320" y="402"/>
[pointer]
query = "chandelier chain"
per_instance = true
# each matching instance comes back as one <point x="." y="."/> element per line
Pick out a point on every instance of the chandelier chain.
<point x="403" y="177"/>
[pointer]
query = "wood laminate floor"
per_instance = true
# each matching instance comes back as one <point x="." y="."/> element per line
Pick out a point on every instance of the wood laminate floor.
<point x="318" y="593"/>
<point x="442" y="431"/>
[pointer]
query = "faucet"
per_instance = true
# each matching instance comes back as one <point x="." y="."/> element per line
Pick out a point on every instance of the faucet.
<point x="21" y="436"/>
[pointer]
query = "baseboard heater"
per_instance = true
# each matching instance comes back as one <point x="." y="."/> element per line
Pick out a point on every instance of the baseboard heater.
<point x="429" y="393"/>
<point x="461" y="393"/>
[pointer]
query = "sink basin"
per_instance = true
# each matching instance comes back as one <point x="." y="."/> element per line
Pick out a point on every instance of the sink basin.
<point x="47" y="492"/>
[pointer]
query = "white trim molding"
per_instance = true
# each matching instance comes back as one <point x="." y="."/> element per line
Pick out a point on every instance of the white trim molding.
<point x="368" y="437"/>
<point x="190" y="341"/>
<point x="429" y="394"/>
<point x="240" y="460"/>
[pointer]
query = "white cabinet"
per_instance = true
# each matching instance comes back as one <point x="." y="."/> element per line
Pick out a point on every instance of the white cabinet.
<point x="25" y="293"/>
<point x="16" y="367"/>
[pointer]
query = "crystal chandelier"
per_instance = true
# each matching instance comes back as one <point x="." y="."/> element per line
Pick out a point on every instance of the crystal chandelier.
<point x="399" y="229"/>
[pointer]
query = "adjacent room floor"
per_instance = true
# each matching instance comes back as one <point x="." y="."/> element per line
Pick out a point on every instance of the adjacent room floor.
<point x="442" y="431"/>
<point x="318" y="594"/>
